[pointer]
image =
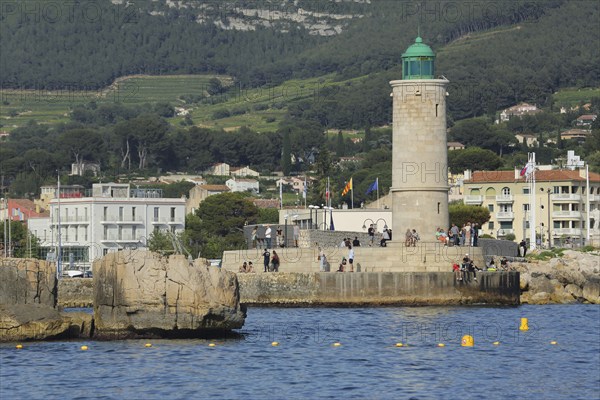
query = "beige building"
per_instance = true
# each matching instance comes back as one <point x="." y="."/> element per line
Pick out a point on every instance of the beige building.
<point x="199" y="193"/>
<point x="243" y="171"/>
<point x="560" y="199"/>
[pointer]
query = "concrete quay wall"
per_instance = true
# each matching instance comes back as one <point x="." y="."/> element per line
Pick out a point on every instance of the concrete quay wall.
<point x="377" y="288"/>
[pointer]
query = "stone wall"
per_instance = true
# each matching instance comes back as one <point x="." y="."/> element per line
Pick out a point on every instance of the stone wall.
<point x="501" y="248"/>
<point x="27" y="281"/>
<point x="377" y="288"/>
<point x="310" y="237"/>
<point x="76" y="292"/>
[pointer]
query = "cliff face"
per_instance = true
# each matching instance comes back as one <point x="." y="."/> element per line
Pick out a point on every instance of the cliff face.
<point x="575" y="277"/>
<point x="28" y="290"/>
<point x="141" y="294"/>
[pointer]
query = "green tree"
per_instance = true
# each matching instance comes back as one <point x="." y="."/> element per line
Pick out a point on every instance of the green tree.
<point x="461" y="213"/>
<point x="23" y="243"/>
<point x="160" y="242"/>
<point x="473" y="158"/>
<point x="222" y="220"/>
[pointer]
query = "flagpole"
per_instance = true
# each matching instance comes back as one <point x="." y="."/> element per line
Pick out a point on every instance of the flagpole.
<point x="377" y="185"/>
<point x="532" y="235"/>
<point x="352" y="193"/>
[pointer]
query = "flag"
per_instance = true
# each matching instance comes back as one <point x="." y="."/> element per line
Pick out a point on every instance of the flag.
<point x="327" y="192"/>
<point x="331" y="227"/>
<point x="374" y="186"/>
<point x="305" y="189"/>
<point x="347" y="188"/>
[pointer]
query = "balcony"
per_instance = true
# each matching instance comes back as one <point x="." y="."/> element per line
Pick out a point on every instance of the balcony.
<point x="567" y="232"/>
<point x="504" y="198"/>
<point x="505" y="216"/>
<point x="566" y="215"/>
<point x="594" y="197"/>
<point x="72" y="220"/>
<point x="167" y="221"/>
<point x="565" y="197"/>
<point x="113" y="219"/>
<point x="474" y="200"/>
<point x="123" y="238"/>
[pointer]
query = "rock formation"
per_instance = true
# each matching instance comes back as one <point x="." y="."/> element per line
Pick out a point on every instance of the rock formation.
<point x="575" y="277"/>
<point x="141" y="294"/>
<point x="27" y="304"/>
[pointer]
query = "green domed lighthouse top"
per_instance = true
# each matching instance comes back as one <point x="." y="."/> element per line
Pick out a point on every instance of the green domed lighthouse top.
<point x="418" y="61"/>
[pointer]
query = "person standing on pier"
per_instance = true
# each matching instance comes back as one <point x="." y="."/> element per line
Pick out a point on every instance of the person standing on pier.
<point x="266" y="259"/>
<point x="351" y="257"/>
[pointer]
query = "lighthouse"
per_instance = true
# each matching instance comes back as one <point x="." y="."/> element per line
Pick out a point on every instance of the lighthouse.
<point x="419" y="154"/>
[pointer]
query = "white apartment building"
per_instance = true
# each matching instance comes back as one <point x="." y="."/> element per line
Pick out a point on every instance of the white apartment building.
<point x="112" y="218"/>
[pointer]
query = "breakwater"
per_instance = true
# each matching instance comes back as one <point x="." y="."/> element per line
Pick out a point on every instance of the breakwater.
<point x="377" y="288"/>
<point x="350" y="289"/>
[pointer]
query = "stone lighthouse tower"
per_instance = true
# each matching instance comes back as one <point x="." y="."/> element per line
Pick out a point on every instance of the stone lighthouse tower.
<point x="420" y="154"/>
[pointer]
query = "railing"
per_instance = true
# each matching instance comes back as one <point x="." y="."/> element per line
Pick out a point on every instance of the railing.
<point x="71" y="219"/>
<point x="567" y="231"/>
<point x="565" y="197"/>
<point x="504" y="232"/>
<point x="175" y="221"/>
<point x="505" y="215"/>
<point x="128" y="238"/>
<point x="124" y="219"/>
<point x="473" y="199"/>
<point x="504" y="199"/>
<point x="566" y="214"/>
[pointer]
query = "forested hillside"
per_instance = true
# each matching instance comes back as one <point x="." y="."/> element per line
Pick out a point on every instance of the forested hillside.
<point x="341" y="56"/>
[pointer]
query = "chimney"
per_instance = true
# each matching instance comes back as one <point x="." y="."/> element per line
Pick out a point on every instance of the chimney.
<point x="517" y="173"/>
<point x="467" y="174"/>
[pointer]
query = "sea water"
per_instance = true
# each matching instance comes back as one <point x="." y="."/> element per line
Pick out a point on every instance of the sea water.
<point x="306" y="364"/>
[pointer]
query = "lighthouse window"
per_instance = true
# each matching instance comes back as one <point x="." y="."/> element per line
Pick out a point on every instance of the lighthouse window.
<point x="415" y="68"/>
<point x="436" y="109"/>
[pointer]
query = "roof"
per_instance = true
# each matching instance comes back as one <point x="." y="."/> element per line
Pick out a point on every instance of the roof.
<point x="418" y="49"/>
<point x="455" y="144"/>
<point x="509" y="176"/>
<point x="243" y="180"/>
<point x="214" y="188"/>
<point x="587" y="117"/>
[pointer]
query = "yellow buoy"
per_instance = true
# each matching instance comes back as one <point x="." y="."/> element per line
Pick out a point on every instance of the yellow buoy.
<point x="496" y="343"/>
<point x="441" y="345"/>
<point x="554" y="342"/>
<point x="399" y="344"/>
<point x="524" y="326"/>
<point x="274" y="344"/>
<point x="211" y="345"/>
<point x="84" y="347"/>
<point x="467" y="341"/>
<point x="148" y="345"/>
<point x="337" y="344"/>
<point x="19" y="346"/>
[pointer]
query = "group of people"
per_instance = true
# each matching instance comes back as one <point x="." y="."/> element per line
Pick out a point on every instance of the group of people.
<point x="271" y="262"/>
<point x="468" y="235"/>
<point x="247" y="267"/>
<point x="411" y="237"/>
<point x="467" y="268"/>
<point x="266" y="240"/>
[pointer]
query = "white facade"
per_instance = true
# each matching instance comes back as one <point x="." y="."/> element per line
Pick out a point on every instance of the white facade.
<point x="114" y="218"/>
<point x="242" y="185"/>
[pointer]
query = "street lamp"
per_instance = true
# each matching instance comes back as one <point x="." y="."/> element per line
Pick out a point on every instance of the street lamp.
<point x="316" y="220"/>
<point x="285" y="231"/>
<point x="548" y="191"/>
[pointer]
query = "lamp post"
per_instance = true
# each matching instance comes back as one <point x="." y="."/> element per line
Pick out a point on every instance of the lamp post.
<point x="324" y="215"/>
<point x="4" y="217"/>
<point x="285" y="231"/>
<point x="311" y="208"/>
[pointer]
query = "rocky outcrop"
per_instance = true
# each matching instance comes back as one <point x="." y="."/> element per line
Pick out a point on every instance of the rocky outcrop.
<point x="27" y="304"/>
<point x="76" y="292"/>
<point x="27" y="281"/>
<point x="575" y="277"/>
<point x="142" y="294"/>
<point x="19" y="322"/>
